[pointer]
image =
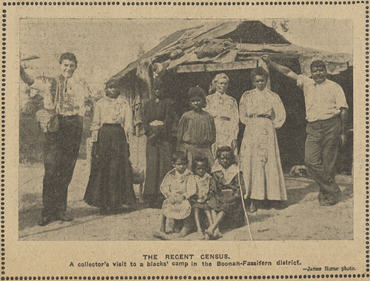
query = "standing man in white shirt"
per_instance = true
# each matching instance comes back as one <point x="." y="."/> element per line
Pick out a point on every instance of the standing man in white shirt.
<point x="326" y="114"/>
<point x="65" y="99"/>
<point x="224" y="110"/>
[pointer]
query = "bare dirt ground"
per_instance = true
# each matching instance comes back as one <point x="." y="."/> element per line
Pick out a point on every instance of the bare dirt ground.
<point x="301" y="219"/>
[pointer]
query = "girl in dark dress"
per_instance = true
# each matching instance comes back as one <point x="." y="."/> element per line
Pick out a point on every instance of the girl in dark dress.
<point x="196" y="131"/>
<point x="110" y="184"/>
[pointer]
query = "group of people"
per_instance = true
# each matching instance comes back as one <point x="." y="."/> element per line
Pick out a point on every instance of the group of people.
<point x="197" y="195"/>
<point x="205" y="172"/>
<point x="213" y="122"/>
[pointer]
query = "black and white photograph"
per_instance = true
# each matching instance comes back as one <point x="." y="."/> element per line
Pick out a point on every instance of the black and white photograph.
<point x="185" y="129"/>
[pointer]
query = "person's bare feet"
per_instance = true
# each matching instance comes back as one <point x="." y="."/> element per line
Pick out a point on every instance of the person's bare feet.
<point x="252" y="207"/>
<point x="181" y="234"/>
<point x="200" y="235"/>
<point x="209" y="231"/>
<point x="167" y="229"/>
<point x="177" y="235"/>
<point x="206" y="236"/>
<point x="217" y="233"/>
<point x="176" y="229"/>
<point x="161" y="235"/>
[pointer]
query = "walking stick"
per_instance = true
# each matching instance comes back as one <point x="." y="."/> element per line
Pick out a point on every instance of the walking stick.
<point x="243" y="203"/>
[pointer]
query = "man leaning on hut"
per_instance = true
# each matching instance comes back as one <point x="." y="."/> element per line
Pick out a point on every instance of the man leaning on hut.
<point x="326" y="114"/>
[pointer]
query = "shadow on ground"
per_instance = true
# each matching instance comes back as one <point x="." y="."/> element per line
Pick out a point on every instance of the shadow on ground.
<point x="30" y="216"/>
<point x="296" y="195"/>
<point x="266" y="225"/>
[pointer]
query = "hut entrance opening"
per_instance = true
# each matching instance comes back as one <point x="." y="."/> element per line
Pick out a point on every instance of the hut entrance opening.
<point x="291" y="136"/>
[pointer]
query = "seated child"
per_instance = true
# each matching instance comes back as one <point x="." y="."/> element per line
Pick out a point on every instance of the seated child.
<point x="201" y="179"/>
<point x="177" y="191"/>
<point x="225" y="190"/>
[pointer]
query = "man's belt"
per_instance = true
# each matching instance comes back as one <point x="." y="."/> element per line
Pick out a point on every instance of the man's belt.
<point x="336" y="116"/>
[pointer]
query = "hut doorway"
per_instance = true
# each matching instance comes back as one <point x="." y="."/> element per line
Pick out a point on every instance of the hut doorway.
<point x="291" y="136"/>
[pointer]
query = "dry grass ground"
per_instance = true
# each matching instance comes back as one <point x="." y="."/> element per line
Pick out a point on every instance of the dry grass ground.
<point x="301" y="219"/>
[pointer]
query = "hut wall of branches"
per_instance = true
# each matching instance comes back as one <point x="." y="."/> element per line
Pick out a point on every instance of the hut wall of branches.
<point x="194" y="56"/>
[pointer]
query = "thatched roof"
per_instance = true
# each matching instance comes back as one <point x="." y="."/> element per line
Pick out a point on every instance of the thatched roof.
<point x="226" y="45"/>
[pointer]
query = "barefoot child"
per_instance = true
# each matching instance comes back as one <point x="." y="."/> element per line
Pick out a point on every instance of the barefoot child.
<point x="201" y="179"/>
<point x="177" y="191"/>
<point x="225" y="190"/>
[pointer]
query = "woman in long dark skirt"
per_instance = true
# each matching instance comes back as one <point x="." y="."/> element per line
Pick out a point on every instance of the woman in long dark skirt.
<point x="110" y="184"/>
<point x="158" y="118"/>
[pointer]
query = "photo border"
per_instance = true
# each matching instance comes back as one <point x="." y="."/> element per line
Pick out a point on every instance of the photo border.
<point x="13" y="5"/>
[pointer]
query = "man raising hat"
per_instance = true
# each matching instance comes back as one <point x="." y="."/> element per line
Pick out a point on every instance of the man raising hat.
<point x="61" y="121"/>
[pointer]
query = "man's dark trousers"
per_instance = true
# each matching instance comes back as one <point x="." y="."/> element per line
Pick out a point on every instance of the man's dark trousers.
<point x="60" y="154"/>
<point x="321" y="151"/>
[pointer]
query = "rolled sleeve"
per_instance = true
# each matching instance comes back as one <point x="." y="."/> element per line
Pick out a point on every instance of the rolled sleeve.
<point x="340" y="98"/>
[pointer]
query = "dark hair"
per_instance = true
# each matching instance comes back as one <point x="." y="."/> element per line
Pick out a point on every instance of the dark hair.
<point x="318" y="63"/>
<point x="179" y="155"/>
<point x="259" y="71"/>
<point x="111" y="84"/>
<point x="225" y="149"/>
<point x="68" y="56"/>
<point x="199" y="159"/>
<point x="197" y="92"/>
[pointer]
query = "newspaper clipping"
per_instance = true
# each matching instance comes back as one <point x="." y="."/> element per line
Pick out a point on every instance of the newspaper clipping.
<point x="186" y="141"/>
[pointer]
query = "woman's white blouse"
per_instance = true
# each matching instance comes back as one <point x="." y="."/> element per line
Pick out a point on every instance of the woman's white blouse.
<point x="112" y="111"/>
<point x="266" y="102"/>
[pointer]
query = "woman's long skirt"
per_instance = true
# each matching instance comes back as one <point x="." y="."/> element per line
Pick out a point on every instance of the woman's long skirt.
<point x="110" y="183"/>
<point x="158" y="163"/>
<point x="260" y="161"/>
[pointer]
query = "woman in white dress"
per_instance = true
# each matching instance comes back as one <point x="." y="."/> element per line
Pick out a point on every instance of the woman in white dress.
<point x="262" y="112"/>
<point x="224" y="110"/>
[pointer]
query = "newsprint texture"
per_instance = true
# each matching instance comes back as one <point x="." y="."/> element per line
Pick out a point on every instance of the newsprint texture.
<point x="185" y="140"/>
